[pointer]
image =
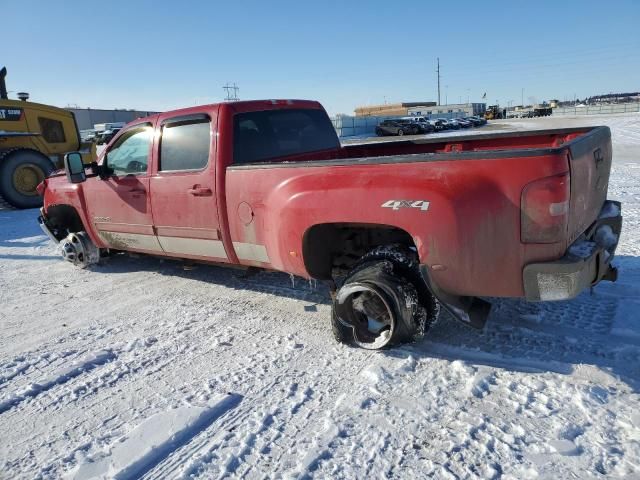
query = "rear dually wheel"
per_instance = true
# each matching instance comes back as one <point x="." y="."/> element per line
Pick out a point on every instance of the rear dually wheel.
<point x="383" y="301"/>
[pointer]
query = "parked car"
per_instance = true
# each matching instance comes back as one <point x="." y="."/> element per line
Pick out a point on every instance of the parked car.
<point x="438" y="124"/>
<point x="476" y="121"/>
<point x="88" y="136"/>
<point x="452" y="124"/>
<point x="392" y="227"/>
<point x="422" y="122"/>
<point x="106" y="136"/>
<point x="398" y="127"/>
<point x="464" y="123"/>
<point x="445" y="123"/>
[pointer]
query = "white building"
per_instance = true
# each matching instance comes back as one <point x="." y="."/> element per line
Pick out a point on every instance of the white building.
<point x="450" y="111"/>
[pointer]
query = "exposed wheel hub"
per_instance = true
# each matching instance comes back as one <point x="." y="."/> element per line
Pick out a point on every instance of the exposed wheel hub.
<point x="78" y="249"/>
<point x="365" y="308"/>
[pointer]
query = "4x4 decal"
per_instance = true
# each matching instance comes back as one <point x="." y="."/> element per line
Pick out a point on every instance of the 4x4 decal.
<point x="398" y="204"/>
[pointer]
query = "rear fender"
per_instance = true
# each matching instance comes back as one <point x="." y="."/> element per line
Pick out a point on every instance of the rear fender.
<point x="304" y="201"/>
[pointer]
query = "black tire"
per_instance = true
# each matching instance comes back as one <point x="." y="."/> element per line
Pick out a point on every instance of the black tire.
<point x="415" y="130"/>
<point x="36" y="166"/>
<point x="379" y="132"/>
<point x="400" y="132"/>
<point x="392" y="272"/>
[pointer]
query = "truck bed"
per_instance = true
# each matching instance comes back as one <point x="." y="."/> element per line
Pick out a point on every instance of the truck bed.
<point x="474" y="185"/>
<point x="491" y="145"/>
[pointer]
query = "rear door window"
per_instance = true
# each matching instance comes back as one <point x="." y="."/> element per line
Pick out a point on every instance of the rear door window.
<point x="271" y="134"/>
<point x="185" y="145"/>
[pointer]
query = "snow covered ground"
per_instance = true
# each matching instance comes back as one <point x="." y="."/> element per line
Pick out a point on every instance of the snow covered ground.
<point x="142" y="368"/>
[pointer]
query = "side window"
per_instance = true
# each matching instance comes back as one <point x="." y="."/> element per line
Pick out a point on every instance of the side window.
<point x="271" y="134"/>
<point x="130" y="153"/>
<point x="52" y="130"/>
<point x="185" y="145"/>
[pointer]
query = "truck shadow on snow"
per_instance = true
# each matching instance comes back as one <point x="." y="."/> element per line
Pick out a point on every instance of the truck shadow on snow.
<point x="596" y="328"/>
<point x="275" y="283"/>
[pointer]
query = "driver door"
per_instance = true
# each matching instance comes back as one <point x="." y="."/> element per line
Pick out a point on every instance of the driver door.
<point x="119" y="206"/>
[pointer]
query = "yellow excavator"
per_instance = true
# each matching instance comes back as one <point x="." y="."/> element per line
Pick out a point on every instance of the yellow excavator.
<point x="33" y="140"/>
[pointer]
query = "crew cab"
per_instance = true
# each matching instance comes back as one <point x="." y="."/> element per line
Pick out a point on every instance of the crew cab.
<point x="397" y="229"/>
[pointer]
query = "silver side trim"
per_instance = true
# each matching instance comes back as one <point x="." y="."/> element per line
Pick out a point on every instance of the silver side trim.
<point x="193" y="246"/>
<point x="124" y="241"/>
<point x="251" y="252"/>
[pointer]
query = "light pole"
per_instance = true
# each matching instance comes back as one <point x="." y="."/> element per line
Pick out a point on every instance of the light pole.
<point x="446" y="94"/>
<point x="468" y="95"/>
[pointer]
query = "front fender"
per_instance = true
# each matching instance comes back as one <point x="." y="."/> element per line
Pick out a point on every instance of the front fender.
<point x="60" y="192"/>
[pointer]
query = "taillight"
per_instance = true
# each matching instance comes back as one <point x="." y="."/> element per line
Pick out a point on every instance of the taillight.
<point x="40" y="188"/>
<point x="545" y="209"/>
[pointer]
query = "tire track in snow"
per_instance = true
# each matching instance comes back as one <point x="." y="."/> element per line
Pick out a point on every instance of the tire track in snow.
<point x="223" y="448"/>
<point x="153" y="440"/>
<point x="58" y="378"/>
<point x="163" y="354"/>
<point x="21" y="364"/>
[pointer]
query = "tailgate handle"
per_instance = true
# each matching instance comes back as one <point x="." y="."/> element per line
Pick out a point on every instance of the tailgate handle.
<point x="199" y="191"/>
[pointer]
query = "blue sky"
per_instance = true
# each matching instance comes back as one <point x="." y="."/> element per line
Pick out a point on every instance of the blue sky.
<point x="162" y="55"/>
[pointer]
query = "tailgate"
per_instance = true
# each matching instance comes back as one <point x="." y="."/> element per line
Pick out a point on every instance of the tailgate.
<point x="590" y="163"/>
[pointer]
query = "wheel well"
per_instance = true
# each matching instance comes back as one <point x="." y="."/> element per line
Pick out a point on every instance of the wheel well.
<point x="63" y="219"/>
<point x="332" y="248"/>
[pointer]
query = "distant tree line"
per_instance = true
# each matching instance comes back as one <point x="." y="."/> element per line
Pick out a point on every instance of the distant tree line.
<point x="605" y="98"/>
<point x="614" y="98"/>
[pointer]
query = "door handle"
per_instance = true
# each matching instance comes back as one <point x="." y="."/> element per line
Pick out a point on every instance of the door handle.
<point x="198" y="191"/>
<point x="138" y="190"/>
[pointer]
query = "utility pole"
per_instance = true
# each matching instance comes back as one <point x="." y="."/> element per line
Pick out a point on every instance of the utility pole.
<point x="522" y="99"/>
<point x="228" y="88"/>
<point x="438" y="70"/>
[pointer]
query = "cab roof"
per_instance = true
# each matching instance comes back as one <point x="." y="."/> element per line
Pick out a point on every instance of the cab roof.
<point x="237" y="107"/>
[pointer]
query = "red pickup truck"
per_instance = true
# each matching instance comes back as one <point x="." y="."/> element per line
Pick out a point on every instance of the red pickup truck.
<point x="397" y="229"/>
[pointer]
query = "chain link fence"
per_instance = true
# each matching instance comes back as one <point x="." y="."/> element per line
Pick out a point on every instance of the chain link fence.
<point x="598" y="109"/>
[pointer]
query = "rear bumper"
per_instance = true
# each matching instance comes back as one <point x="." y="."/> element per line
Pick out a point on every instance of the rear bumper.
<point x="586" y="262"/>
